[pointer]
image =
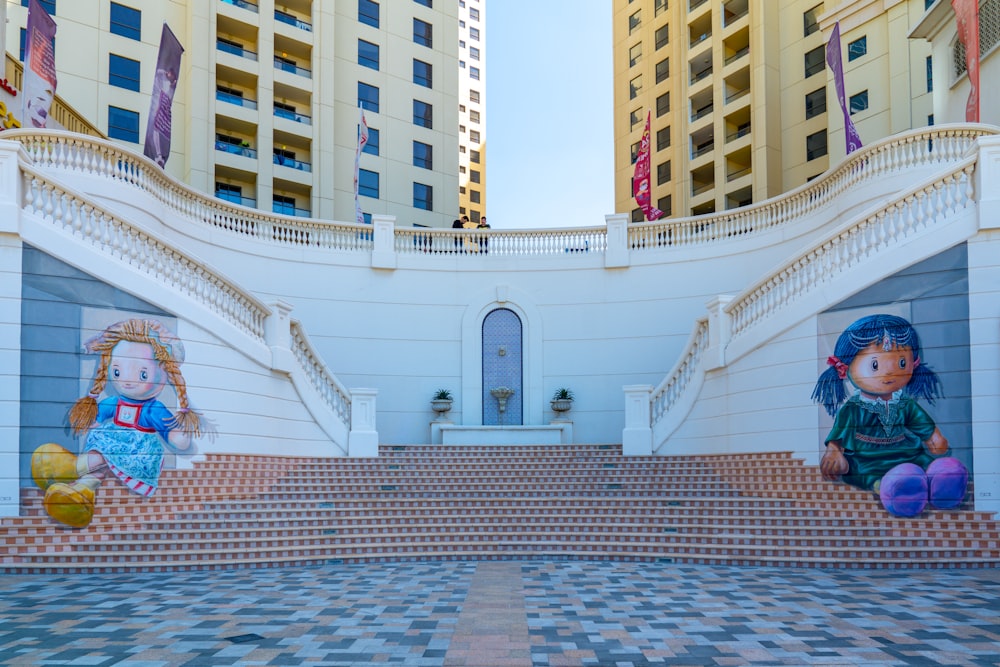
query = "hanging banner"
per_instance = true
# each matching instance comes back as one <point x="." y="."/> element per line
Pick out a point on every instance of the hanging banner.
<point x="39" y="66"/>
<point x="359" y="216"/>
<point x="640" y="178"/>
<point x="158" y="125"/>
<point x="834" y="59"/>
<point x="967" y="22"/>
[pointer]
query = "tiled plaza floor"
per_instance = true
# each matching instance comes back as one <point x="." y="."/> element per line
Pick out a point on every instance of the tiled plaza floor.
<point x="498" y="614"/>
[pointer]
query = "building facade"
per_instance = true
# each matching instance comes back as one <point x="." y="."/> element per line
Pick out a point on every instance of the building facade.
<point x="742" y="100"/>
<point x="472" y="109"/>
<point x="266" y="110"/>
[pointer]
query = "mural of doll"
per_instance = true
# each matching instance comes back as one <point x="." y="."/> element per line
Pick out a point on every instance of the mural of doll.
<point x="881" y="438"/>
<point x="128" y="430"/>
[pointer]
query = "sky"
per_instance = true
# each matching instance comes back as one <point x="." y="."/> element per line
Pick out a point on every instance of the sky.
<point x="549" y="113"/>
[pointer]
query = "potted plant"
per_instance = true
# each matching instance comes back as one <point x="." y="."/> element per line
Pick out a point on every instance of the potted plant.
<point x="441" y="403"/>
<point x="562" y="400"/>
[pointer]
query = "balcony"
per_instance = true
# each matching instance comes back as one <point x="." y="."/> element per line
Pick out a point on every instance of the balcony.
<point x="245" y="4"/>
<point x="292" y="20"/>
<point x="235" y="146"/>
<point x="230" y="97"/>
<point x="702" y="112"/>
<point x="228" y="46"/>
<point x="733" y="11"/>
<point x="234" y="198"/>
<point x="703" y="74"/>
<point x="292" y="115"/>
<point x="292" y="163"/>
<point x="286" y="65"/>
<point x="286" y="209"/>
<point x="737" y="55"/>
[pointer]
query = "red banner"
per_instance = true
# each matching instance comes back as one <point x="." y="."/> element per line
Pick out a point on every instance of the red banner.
<point x="640" y="178"/>
<point x="967" y="20"/>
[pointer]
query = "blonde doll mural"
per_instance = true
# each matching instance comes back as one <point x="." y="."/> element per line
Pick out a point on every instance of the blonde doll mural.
<point x="128" y="432"/>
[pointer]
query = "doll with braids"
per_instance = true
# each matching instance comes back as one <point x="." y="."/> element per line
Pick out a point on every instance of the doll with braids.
<point x="881" y="438"/>
<point x="126" y="431"/>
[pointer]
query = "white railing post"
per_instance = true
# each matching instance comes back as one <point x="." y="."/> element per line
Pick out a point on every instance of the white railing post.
<point x="10" y="333"/>
<point x="617" y="255"/>
<point x="637" y="436"/>
<point x="719" y="331"/>
<point x="363" y="439"/>
<point x="278" y="336"/>
<point x="987" y="175"/>
<point x="384" y="252"/>
<point x="10" y="187"/>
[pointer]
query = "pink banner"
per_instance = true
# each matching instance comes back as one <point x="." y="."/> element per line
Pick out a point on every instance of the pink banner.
<point x="158" y="126"/>
<point x="641" y="186"/>
<point x="39" y="66"/>
<point x="967" y="20"/>
<point x="362" y="142"/>
<point x="834" y="58"/>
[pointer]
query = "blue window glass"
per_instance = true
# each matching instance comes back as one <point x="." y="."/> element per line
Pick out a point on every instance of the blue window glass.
<point x="125" y="21"/>
<point x="859" y="102"/>
<point x="930" y="74"/>
<point x="283" y="205"/>
<point x="368" y="97"/>
<point x="857" y="48"/>
<point x="47" y="5"/>
<point x="367" y="54"/>
<point x="123" y="124"/>
<point x="373" y="142"/>
<point x="423" y="114"/>
<point x="425" y="3"/>
<point x="423" y="33"/>
<point x="423" y="155"/>
<point x="423" y="196"/>
<point x="368" y="12"/>
<point x="423" y="73"/>
<point x="123" y="72"/>
<point x="368" y="183"/>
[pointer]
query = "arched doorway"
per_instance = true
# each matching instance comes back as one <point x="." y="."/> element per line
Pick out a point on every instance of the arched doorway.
<point x="502" y="356"/>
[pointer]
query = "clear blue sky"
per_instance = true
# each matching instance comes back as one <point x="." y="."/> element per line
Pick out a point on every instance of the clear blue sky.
<point x="549" y="113"/>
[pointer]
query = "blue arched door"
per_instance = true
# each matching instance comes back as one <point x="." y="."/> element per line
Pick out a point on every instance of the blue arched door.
<point x="502" y="367"/>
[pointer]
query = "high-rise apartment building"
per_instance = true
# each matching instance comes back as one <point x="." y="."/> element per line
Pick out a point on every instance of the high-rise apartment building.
<point x="266" y="110"/>
<point x="742" y="101"/>
<point x="472" y="108"/>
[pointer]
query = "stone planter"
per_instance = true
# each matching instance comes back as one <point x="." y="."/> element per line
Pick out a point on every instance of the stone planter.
<point x="441" y="406"/>
<point x="561" y="405"/>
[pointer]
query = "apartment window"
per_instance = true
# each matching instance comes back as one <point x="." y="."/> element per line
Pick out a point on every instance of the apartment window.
<point x="423" y="196"/>
<point x="663" y="104"/>
<point x="661" y="37"/>
<point x="423" y="33"/>
<point x="474" y="96"/>
<point x="125" y="21"/>
<point x="423" y="155"/>
<point x="474" y="73"/>
<point x="473" y="156"/>
<point x="474" y="136"/>
<point x="228" y="192"/>
<point x="368" y="183"/>
<point x="816" y="145"/>
<point x="423" y="114"/>
<point x="666" y="205"/>
<point x="663" y="138"/>
<point x="283" y="205"/>
<point x="659" y="6"/>
<point x="423" y="73"/>
<point x="474" y="117"/>
<point x="857" y="48"/>
<point x="930" y="74"/>
<point x="367" y="54"/>
<point x="815" y="61"/>
<point x="474" y="196"/>
<point x="662" y="70"/>
<point x="474" y="176"/>
<point x="425" y="3"/>
<point x="634" y="21"/>
<point x="858" y="102"/>
<point x="368" y="12"/>
<point x="123" y="124"/>
<point x="930" y="119"/>
<point x="816" y="102"/>
<point x="635" y="118"/>
<point x="634" y="152"/>
<point x="473" y="53"/>
<point x="368" y="97"/>
<point x="473" y="13"/>
<point x="123" y="72"/>
<point x="663" y="173"/>
<point x="474" y="34"/>
<point x="373" y="142"/>
<point x="47" y="5"/>
<point x="810" y="21"/>
<point x="635" y="87"/>
<point x="635" y="55"/>
<point x="637" y="215"/>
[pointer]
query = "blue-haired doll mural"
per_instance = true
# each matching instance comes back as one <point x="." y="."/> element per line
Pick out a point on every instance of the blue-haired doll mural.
<point x="129" y="430"/>
<point x="882" y="439"/>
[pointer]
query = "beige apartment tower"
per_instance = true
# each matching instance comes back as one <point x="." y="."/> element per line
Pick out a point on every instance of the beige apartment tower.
<point x="267" y="107"/>
<point x="742" y="101"/>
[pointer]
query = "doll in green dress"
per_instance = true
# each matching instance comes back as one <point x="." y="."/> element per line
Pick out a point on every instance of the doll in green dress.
<point x="881" y="438"/>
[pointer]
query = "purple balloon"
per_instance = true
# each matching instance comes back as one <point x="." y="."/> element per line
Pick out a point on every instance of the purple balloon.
<point x="903" y="490"/>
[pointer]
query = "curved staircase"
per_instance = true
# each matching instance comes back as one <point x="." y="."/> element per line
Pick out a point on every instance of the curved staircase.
<point x="427" y="502"/>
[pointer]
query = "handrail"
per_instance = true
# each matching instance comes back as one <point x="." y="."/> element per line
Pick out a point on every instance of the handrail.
<point x="334" y="394"/>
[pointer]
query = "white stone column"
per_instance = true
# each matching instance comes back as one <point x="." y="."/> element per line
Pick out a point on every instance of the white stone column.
<point x="363" y="439"/>
<point x="617" y="255"/>
<point x="278" y="336"/>
<point x="637" y="437"/>
<point x="384" y="253"/>
<point x="988" y="182"/>
<point x="719" y="329"/>
<point x="10" y="329"/>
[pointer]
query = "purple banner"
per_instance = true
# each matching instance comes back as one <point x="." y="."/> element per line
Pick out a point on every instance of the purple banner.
<point x="39" y="66"/>
<point x="835" y="60"/>
<point x="158" y="126"/>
